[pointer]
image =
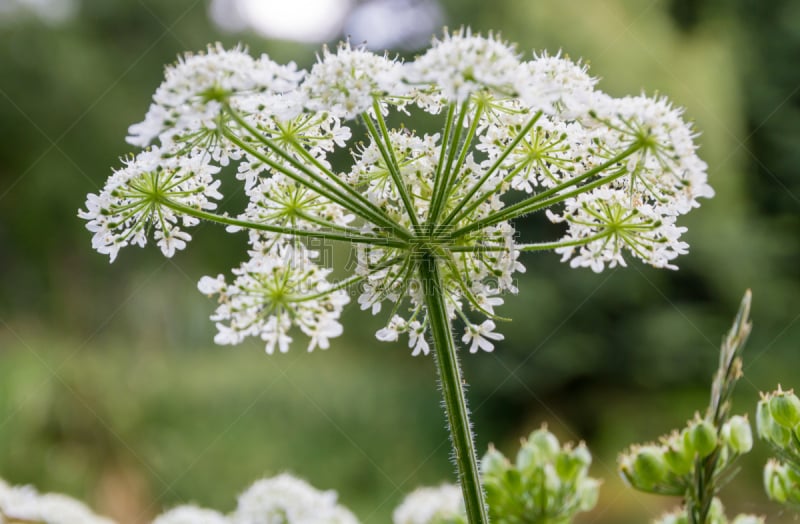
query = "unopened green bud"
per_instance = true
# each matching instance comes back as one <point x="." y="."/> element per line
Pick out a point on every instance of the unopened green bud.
<point x="649" y="468"/>
<point x="567" y="466"/>
<point x="678" y="461"/>
<point x="702" y="437"/>
<point x="545" y="442"/>
<point x="775" y="482"/>
<point x="494" y="463"/>
<point x="572" y="463"/>
<point x="784" y="406"/>
<point x="552" y="482"/>
<point x="766" y="426"/>
<point x="738" y="435"/>
<point x="763" y="418"/>
<point x="528" y="458"/>
<point x="582" y="454"/>
<point x="588" y="491"/>
<point x="541" y="446"/>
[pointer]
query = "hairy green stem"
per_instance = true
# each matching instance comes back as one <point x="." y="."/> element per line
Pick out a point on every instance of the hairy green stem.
<point x="452" y="386"/>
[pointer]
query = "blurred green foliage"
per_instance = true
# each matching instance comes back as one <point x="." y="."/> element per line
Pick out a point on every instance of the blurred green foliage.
<point x="105" y="387"/>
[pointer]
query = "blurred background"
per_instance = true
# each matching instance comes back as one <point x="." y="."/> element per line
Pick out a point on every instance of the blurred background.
<point x="112" y="391"/>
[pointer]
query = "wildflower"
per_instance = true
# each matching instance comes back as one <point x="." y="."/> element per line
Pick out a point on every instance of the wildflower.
<point x="131" y="204"/>
<point x="191" y="515"/>
<point x="430" y="218"/>
<point x="616" y="172"/>
<point x="187" y="106"/>
<point x="431" y="506"/>
<point x="25" y="504"/>
<point x="278" y="287"/>
<point x="480" y="335"/>
<point x="288" y="500"/>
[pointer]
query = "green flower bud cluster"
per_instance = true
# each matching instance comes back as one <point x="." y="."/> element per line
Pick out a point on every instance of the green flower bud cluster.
<point x="716" y="515"/>
<point x="547" y="483"/>
<point x="668" y="468"/>
<point x="778" y="422"/>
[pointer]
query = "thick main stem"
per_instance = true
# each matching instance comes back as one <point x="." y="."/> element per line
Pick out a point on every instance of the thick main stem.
<point x="452" y="389"/>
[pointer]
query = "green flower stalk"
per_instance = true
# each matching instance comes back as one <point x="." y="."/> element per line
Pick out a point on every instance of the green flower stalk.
<point x="695" y="462"/>
<point x="428" y="216"/>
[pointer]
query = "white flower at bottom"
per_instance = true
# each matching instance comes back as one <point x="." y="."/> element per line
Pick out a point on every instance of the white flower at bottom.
<point x="191" y="515"/>
<point x="24" y="504"/>
<point x="288" y="500"/>
<point x="444" y="504"/>
<point x="480" y="335"/>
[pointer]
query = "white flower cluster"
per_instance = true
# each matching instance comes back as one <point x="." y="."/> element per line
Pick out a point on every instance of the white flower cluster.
<point x="286" y="499"/>
<point x="278" y="287"/>
<point x="517" y="137"/>
<point x="129" y="207"/>
<point x="440" y="505"/>
<point x="25" y="504"/>
<point x="716" y="515"/>
<point x="283" y="499"/>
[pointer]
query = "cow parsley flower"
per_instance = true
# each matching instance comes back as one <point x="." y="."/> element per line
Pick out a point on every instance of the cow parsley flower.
<point x="462" y="63"/>
<point x="602" y="224"/>
<point x="345" y="83"/>
<point x="554" y="84"/>
<point x="430" y="218"/>
<point x="280" y="286"/>
<point x="186" y="109"/>
<point x="288" y="500"/>
<point x="431" y="506"/>
<point x="480" y="336"/>
<point x="616" y="172"/>
<point x="25" y="504"/>
<point x="191" y="515"/>
<point x="132" y="203"/>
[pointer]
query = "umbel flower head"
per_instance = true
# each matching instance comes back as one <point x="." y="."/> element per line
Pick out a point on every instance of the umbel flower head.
<point x="424" y="212"/>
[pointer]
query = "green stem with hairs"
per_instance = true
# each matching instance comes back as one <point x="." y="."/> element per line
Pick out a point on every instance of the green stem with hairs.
<point x="452" y="385"/>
